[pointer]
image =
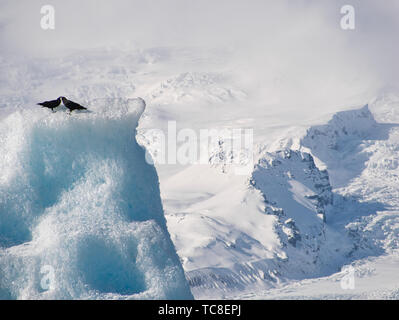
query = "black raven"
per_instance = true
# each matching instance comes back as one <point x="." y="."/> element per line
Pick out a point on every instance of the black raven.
<point x="72" y="105"/>
<point x="51" y="104"/>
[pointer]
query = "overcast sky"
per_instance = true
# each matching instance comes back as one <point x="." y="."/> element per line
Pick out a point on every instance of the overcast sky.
<point x="294" y="37"/>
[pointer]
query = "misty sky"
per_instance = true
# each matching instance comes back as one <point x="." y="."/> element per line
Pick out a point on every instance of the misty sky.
<point x="301" y="40"/>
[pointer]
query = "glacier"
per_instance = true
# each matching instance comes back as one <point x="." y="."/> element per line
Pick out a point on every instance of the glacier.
<point x="80" y="209"/>
<point x="359" y="149"/>
<point x="322" y="195"/>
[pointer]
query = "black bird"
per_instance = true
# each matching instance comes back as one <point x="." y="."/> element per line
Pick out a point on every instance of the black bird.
<point x="50" y="104"/>
<point x="72" y="105"/>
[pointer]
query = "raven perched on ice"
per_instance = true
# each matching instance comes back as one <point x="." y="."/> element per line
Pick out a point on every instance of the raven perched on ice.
<point x="51" y="104"/>
<point x="72" y="105"/>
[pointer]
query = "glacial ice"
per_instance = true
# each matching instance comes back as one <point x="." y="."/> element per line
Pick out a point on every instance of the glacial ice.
<point x="80" y="209"/>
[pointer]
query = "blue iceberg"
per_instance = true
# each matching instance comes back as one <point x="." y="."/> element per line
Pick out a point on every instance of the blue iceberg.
<point x="80" y="209"/>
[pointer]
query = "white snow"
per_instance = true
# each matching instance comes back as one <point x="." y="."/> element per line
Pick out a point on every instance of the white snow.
<point x="76" y="194"/>
<point x="373" y="278"/>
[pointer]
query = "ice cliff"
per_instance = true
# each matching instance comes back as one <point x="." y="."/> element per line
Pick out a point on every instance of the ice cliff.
<point x="80" y="209"/>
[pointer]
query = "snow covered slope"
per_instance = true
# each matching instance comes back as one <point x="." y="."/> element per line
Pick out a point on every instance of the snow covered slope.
<point x="253" y="232"/>
<point x="80" y="209"/>
<point x="322" y="193"/>
<point x="363" y="156"/>
<point x="300" y="214"/>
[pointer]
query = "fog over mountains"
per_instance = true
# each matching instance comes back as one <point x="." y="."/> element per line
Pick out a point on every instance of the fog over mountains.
<point x="81" y="209"/>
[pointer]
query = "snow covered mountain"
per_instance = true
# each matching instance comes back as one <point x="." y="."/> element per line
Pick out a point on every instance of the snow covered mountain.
<point x="322" y="193"/>
<point x="361" y="156"/>
<point x="288" y="221"/>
